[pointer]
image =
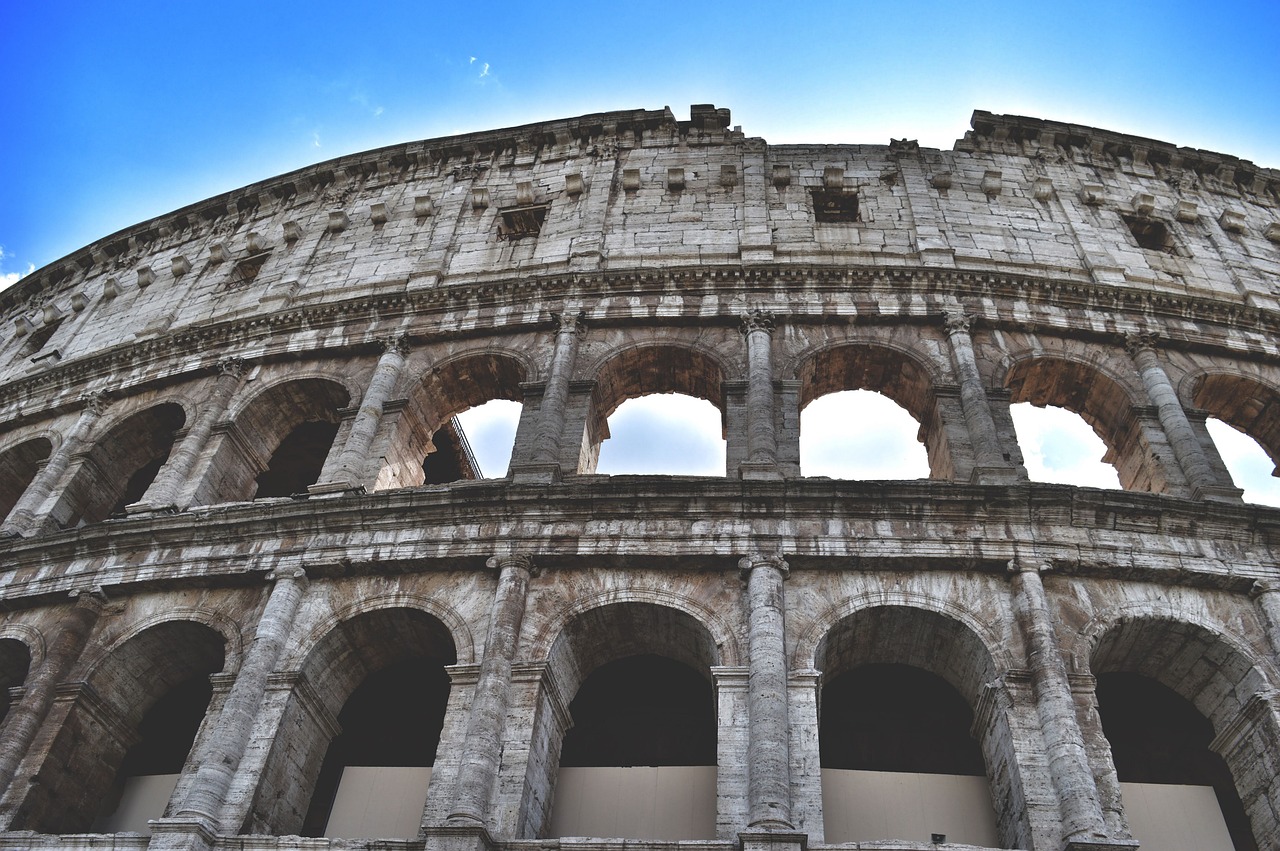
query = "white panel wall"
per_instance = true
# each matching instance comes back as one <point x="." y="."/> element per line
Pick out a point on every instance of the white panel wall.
<point x="668" y="802"/>
<point x="379" y="802"/>
<point x="1175" y="818"/>
<point x="860" y="806"/>
<point x="143" y="798"/>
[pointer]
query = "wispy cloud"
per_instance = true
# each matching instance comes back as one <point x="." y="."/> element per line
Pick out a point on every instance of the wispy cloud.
<point x="315" y="139"/>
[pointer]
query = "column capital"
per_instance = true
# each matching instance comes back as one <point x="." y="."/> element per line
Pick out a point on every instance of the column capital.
<point x="956" y="321"/>
<point x="1016" y="566"/>
<point x="233" y="366"/>
<point x="395" y="343"/>
<point x="280" y="574"/>
<point x="1140" y="341"/>
<point x="96" y="401"/>
<point x="94" y="599"/>
<point x="1264" y="586"/>
<point x="569" y="322"/>
<point x="748" y="563"/>
<point x="757" y="319"/>
<point x="521" y="561"/>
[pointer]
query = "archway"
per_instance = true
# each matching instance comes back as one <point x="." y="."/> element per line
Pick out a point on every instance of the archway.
<point x="860" y="434"/>
<point x="1059" y="446"/>
<point x="678" y="376"/>
<point x="117" y="753"/>
<point x="890" y="373"/>
<point x="18" y="467"/>
<point x="364" y="722"/>
<point x="15" y="663"/>
<point x="120" y="466"/>
<point x="885" y="777"/>
<point x="642" y="765"/>
<point x="429" y="445"/>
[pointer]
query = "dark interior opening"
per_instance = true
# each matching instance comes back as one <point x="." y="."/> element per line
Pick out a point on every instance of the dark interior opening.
<point x="298" y="460"/>
<point x="392" y="719"/>
<point x="835" y="207"/>
<point x="15" y="662"/>
<point x="452" y="461"/>
<point x="41" y="336"/>
<point x="1150" y="234"/>
<point x="18" y="468"/>
<point x="1158" y="736"/>
<point x="642" y="710"/>
<point x="136" y="488"/>
<point x="889" y="717"/>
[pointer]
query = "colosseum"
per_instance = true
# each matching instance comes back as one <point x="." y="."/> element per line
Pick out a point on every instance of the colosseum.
<point x="259" y="594"/>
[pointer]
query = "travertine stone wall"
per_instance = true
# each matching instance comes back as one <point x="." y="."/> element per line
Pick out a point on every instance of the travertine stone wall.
<point x="380" y="294"/>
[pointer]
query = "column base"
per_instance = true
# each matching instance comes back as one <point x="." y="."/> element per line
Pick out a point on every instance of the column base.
<point x="755" y="471"/>
<point x="783" y="838"/>
<point x="181" y="834"/>
<point x="1217" y="493"/>
<point x="535" y="474"/>
<point x="458" y="837"/>
<point x="1100" y="845"/>
<point x="993" y="476"/>
<point x="327" y="488"/>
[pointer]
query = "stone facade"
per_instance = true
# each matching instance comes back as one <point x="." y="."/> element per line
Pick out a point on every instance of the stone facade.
<point x="351" y="309"/>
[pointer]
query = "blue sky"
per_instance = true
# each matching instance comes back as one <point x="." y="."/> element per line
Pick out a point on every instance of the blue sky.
<point x="116" y="112"/>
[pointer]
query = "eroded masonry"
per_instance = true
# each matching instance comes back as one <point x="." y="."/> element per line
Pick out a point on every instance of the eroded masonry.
<point x="256" y="588"/>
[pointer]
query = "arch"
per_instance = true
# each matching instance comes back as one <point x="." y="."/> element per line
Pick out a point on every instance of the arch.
<point x="18" y="467"/>
<point x="810" y="643"/>
<point x="898" y="373"/>
<point x="84" y="770"/>
<point x="645" y="369"/>
<point x="721" y="632"/>
<point x="30" y="637"/>
<point x="427" y="433"/>
<point x="1225" y="682"/>
<point x="123" y="460"/>
<point x="454" y="622"/>
<point x="1250" y="404"/>
<point x="281" y="438"/>
<point x="303" y="769"/>
<point x="226" y="628"/>
<point x="1103" y="400"/>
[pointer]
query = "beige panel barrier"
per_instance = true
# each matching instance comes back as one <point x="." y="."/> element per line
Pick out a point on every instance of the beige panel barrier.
<point x="142" y="799"/>
<point x="860" y="806"/>
<point x="668" y="802"/>
<point x="378" y="802"/>
<point x="1175" y="818"/>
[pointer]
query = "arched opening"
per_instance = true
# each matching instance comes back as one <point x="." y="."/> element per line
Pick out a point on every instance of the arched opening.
<point x="860" y="434"/>
<point x="663" y="434"/>
<point x="1159" y="739"/>
<point x="1059" y="446"/>
<point x="1103" y="404"/>
<point x="119" y="467"/>
<point x="640" y="759"/>
<point x="674" y="423"/>
<point x="295" y="422"/>
<point x="363" y="727"/>
<point x="888" y="373"/>
<point x="897" y="738"/>
<point x="15" y="662"/>
<point x="1248" y="463"/>
<point x="1176" y="699"/>
<point x="116" y="757"/>
<point x="431" y="444"/>
<point x="18" y="467"/>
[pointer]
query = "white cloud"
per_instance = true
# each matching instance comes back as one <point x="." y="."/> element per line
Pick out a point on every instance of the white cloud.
<point x="858" y="434"/>
<point x="484" y="72"/>
<point x="8" y="279"/>
<point x="377" y="111"/>
<point x="664" y="434"/>
<point x="491" y="430"/>
<point x="1059" y="446"/>
<point x="473" y="61"/>
<point x="1250" y="466"/>
<point x="315" y="139"/>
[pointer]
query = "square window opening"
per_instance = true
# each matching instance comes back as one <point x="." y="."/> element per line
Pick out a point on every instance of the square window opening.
<point x="246" y="271"/>
<point x="835" y="207"/>
<point x="515" y="223"/>
<point x="1151" y="234"/>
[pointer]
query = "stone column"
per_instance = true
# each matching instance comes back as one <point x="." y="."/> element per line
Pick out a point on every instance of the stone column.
<point x="354" y="455"/>
<point x="219" y="759"/>
<point x="31" y="507"/>
<point x="1173" y="419"/>
<point x="482" y="750"/>
<point x="769" y="752"/>
<point x="168" y="483"/>
<point x="762" y="437"/>
<point x="547" y="436"/>
<point x="24" y="720"/>
<point x="1069" y="769"/>
<point x="989" y="460"/>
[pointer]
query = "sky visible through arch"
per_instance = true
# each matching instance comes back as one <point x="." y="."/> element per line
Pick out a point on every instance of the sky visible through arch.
<point x="117" y="112"/>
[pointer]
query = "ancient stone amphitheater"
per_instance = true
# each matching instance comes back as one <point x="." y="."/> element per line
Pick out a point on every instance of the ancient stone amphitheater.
<point x="255" y="590"/>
